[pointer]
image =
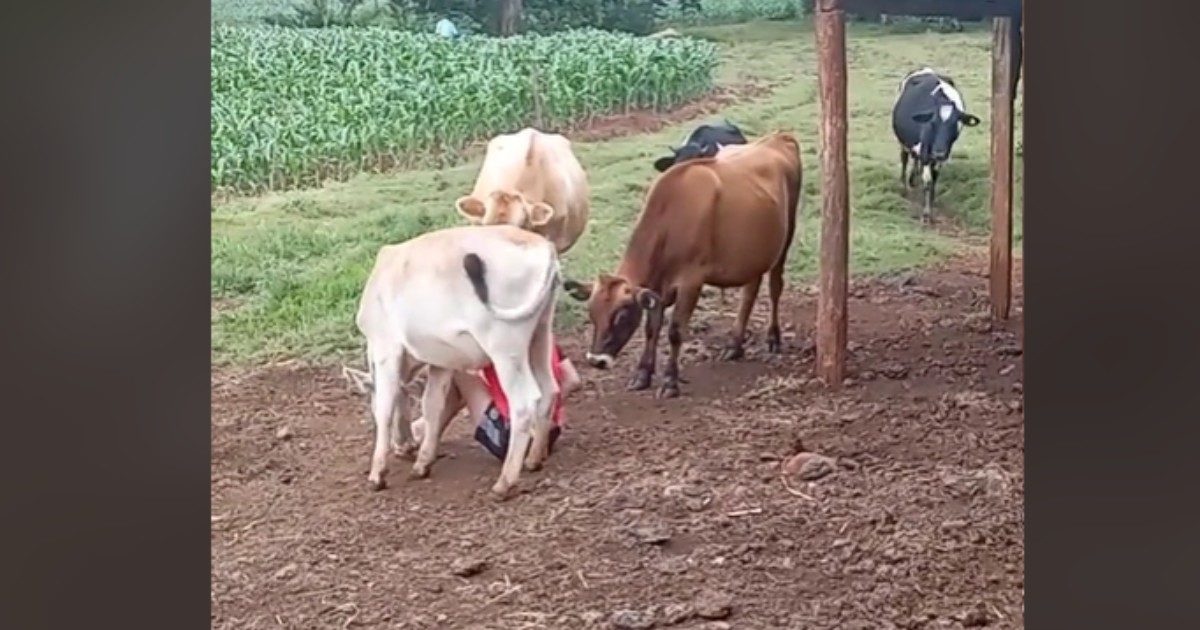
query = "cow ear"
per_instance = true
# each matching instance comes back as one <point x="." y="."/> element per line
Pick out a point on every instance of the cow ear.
<point x="470" y="207"/>
<point x="648" y="299"/>
<point x="540" y="214"/>
<point x="923" y="117"/>
<point x="577" y="290"/>
<point x="664" y="163"/>
<point x="970" y="120"/>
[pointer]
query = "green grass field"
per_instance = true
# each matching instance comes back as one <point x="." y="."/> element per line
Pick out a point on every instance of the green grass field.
<point x="287" y="268"/>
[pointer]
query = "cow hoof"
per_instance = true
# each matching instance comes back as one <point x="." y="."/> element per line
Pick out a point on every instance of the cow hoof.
<point x="377" y="484"/>
<point x="503" y="491"/>
<point x="733" y="353"/>
<point x="405" y="451"/>
<point x="640" y="381"/>
<point x="420" y="470"/>
<point x="668" y="391"/>
<point x="533" y="466"/>
<point x="927" y="219"/>
<point x="774" y="347"/>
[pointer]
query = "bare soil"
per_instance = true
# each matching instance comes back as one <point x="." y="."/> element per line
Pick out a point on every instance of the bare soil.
<point x="657" y="513"/>
<point x="643" y="121"/>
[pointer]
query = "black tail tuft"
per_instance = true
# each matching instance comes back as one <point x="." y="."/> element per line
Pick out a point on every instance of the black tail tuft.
<point x="474" y="267"/>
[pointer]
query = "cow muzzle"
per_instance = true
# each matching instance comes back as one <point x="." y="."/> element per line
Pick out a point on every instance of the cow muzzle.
<point x="601" y="361"/>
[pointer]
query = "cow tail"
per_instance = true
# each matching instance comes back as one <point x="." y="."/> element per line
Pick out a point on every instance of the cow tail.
<point x="476" y="270"/>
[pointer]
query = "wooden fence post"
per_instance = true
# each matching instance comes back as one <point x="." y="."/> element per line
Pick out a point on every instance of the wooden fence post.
<point x="835" y="193"/>
<point x="1003" y="73"/>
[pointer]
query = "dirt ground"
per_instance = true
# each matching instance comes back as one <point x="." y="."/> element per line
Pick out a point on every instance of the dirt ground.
<point x="657" y="513"/>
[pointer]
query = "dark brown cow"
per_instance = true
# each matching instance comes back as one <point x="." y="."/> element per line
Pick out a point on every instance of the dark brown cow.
<point x="723" y="221"/>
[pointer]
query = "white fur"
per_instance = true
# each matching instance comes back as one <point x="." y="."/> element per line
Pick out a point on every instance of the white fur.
<point x="554" y="177"/>
<point x="914" y="73"/>
<point x="952" y="94"/>
<point x="604" y="361"/>
<point x="926" y="174"/>
<point x="419" y="309"/>
<point x="944" y="112"/>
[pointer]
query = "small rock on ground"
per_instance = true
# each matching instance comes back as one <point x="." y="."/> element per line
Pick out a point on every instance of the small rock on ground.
<point x="284" y="433"/>
<point x="894" y="370"/>
<point x="651" y="535"/>
<point x="467" y="567"/>
<point x="677" y="613"/>
<point x="810" y="466"/>
<point x="975" y="619"/>
<point x="817" y="467"/>
<point x="288" y="572"/>
<point x="631" y="620"/>
<point x="713" y="605"/>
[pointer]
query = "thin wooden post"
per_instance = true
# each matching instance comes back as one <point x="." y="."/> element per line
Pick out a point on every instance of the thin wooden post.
<point x="835" y="193"/>
<point x="1003" y="73"/>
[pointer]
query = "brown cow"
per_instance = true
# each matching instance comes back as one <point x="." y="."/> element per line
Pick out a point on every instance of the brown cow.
<point x="531" y="180"/>
<point x="722" y="221"/>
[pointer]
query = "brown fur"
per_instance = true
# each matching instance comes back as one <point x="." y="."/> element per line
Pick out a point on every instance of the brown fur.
<point x="723" y="221"/>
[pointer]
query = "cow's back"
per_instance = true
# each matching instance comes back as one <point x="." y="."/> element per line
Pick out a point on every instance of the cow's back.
<point x="558" y="179"/>
<point x="543" y="168"/>
<point x="418" y="294"/>
<point x="730" y="214"/>
<point x="759" y="184"/>
<point x="504" y="163"/>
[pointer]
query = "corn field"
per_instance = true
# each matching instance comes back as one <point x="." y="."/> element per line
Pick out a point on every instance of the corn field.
<point x="293" y="107"/>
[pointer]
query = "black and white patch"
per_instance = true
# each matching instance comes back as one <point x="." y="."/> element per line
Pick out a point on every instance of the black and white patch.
<point x="929" y="114"/>
<point x="704" y="141"/>
<point x="927" y="117"/>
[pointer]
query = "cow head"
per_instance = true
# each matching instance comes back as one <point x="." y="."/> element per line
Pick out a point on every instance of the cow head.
<point x="505" y="208"/>
<point x="940" y="127"/>
<point x="615" y="307"/>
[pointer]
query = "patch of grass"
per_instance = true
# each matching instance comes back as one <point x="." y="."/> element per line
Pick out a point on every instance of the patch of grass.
<point x="288" y="268"/>
<point x="246" y="11"/>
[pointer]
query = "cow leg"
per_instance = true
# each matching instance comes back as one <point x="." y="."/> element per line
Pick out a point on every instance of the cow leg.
<point x="914" y="172"/>
<point x="904" y="167"/>
<point x="524" y="399"/>
<point x="645" y="370"/>
<point x="735" y="349"/>
<point x="929" y="174"/>
<point x="540" y="357"/>
<point x="403" y="444"/>
<point x="385" y="372"/>
<point x="433" y="403"/>
<point x="681" y="315"/>
<point x="774" y="338"/>
<point x="456" y="399"/>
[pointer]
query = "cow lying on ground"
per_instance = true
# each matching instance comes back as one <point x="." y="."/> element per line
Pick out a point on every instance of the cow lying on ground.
<point x="723" y="221"/>
<point x="704" y="141"/>
<point x="531" y="180"/>
<point x="926" y="119"/>
<point x="460" y="299"/>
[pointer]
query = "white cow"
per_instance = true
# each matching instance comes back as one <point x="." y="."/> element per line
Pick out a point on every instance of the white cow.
<point x="459" y="299"/>
<point x="531" y="180"/>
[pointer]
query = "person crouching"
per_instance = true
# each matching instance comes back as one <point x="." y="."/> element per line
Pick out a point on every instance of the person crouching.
<point x="485" y="401"/>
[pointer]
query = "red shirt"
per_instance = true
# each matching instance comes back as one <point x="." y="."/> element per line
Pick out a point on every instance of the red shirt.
<point x="493" y="385"/>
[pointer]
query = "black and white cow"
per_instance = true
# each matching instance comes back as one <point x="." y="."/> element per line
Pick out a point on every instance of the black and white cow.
<point x="704" y="141"/>
<point x="927" y="117"/>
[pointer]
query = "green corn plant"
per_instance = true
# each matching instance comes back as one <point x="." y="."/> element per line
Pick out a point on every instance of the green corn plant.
<point x="293" y="107"/>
